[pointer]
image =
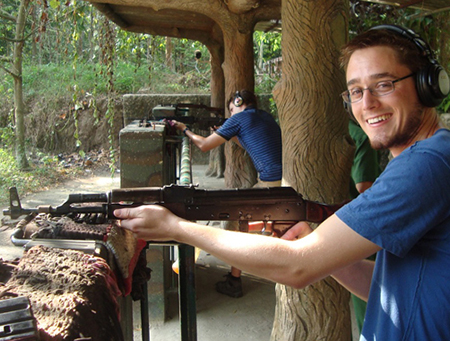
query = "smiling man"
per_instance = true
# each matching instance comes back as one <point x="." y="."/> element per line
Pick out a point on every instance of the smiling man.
<point x="392" y="122"/>
<point x="393" y="83"/>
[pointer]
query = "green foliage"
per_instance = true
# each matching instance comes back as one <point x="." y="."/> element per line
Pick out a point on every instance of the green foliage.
<point x="7" y="167"/>
<point x="52" y="81"/>
<point x="47" y="172"/>
<point x="57" y="80"/>
<point x="271" y="42"/>
<point x="445" y="106"/>
<point x="7" y="136"/>
<point x="265" y="83"/>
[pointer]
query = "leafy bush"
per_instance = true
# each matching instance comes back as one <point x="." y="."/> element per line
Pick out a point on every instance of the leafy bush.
<point x="445" y="105"/>
<point x="47" y="172"/>
<point x="7" y="135"/>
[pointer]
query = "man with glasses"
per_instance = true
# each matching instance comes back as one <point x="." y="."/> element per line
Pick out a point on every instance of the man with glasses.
<point x="393" y="85"/>
<point x="381" y="88"/>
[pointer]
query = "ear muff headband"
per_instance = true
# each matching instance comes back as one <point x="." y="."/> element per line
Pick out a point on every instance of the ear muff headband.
<point x="238" y="100"/>
<point x="432" y="81"/>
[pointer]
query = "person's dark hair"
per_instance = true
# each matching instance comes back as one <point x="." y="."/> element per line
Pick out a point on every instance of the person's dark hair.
<point x="248" y="98"/>
<point x="408" y="53"/>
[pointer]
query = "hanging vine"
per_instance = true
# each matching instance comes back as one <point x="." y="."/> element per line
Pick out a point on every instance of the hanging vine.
<point x="75" y="96"/>
<point x="107" y="44"/>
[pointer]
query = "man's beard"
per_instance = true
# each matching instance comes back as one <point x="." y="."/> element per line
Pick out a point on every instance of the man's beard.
<point x="403" y="137"/>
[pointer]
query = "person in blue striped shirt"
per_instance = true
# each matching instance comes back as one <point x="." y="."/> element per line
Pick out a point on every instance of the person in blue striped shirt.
<point x="258" y="133"/>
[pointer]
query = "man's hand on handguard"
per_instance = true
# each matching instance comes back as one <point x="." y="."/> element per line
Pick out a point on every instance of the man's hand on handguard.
<point x="149" y="222"/>
<point x="179" y="125"/>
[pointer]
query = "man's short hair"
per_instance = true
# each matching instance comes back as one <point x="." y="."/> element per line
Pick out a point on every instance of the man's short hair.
<point x="408" y="53"/>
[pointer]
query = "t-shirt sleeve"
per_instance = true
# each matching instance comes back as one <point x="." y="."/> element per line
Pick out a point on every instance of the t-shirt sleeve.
<point x="402" y="205"/>
<point x="230" y="128"/>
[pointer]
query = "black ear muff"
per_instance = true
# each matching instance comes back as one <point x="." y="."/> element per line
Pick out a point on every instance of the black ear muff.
<point x="432" y="84"/>
<point x="432" y="81"/>
<point x="238" y="100"/>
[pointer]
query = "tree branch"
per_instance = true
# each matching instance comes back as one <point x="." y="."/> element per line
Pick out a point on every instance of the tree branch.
<point x="13" y="40"/>
<point x="7" y="16"/>
<point x="5" y="59"/>
<point x="9" y="71"/>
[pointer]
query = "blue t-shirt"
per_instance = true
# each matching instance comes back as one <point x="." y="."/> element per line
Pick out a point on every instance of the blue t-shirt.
<point x="260" y="136"/>
<point x="407" y="213"/>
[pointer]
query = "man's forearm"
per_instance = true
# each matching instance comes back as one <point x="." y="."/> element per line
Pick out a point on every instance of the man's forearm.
<point x="259" y="255"/>
<point x="197" y="140"/>
<point x="296" y="263"/>
<point x="205" y="144"/>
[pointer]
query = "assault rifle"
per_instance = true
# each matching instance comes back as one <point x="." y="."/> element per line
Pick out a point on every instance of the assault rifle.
<point x="277" y="204"/>
<point x="204" y="123"/>
<point x="168" y="113"/>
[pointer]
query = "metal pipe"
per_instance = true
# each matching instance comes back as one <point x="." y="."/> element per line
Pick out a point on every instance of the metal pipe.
<point x="185" y="163"/>
<point x="186" y="259"/>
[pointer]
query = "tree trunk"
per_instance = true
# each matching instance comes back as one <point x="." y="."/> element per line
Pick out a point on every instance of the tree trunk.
<point x="19" y="106"/>
<point x="216" y="165"/>
<point x="169" y="54"/>
<point x="260" y="55"/>
<point x="239" y="74"/>
<point x="317" y="155"/>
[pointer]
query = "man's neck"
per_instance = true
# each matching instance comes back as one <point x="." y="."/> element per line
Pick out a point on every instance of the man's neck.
<point x="430" y="124"/>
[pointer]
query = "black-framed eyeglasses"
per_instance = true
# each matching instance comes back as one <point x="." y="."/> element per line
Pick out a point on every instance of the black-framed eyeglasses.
<point x="379" y="89"/>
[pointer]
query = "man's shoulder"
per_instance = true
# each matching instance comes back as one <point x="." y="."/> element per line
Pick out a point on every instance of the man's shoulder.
<point x="248" y="111"/>
<point x="442" y="133"/>
<point x="440" y="141"/>
<point x="431" y="153"/>
<point x="246" y="115"/>
<point x="259" y="114"/>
